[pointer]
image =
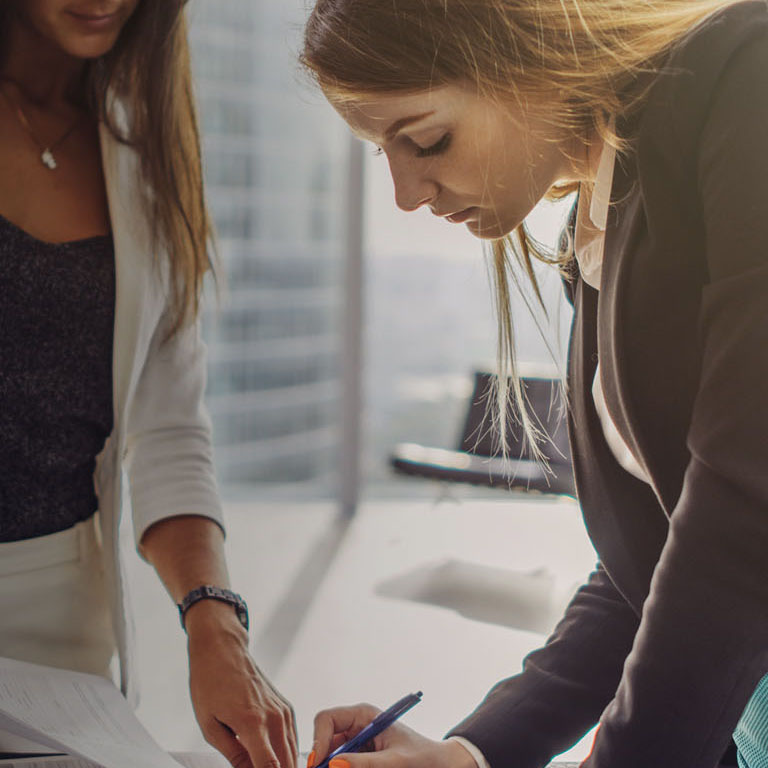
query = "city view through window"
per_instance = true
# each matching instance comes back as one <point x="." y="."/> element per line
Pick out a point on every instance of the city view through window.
<point x="275" y="170"/>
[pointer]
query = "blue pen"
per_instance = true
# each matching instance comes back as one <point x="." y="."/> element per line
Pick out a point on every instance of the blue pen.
<point x="375" y="727"/>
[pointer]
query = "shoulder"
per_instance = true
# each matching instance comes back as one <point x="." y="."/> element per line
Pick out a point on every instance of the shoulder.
<point x="727" y="48"/>
<point x="698" y="60"/>
<point x="682" y="94"/>
<point x="707" y="47"/>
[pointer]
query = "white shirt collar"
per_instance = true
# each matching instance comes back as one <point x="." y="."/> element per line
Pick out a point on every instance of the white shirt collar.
<point x="590" y="240"/>
<point x="601" y="194"/>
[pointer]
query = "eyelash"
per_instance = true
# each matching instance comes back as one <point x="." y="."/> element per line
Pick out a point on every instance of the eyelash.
<point x="435" y="149"/>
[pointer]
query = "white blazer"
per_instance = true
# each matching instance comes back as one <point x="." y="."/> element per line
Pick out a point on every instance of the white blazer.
<point x="161" y="434"/>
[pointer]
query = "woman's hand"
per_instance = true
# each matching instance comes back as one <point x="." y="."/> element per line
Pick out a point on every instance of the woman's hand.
<point x="239" y="712"/>
<point x="396" y="747"/>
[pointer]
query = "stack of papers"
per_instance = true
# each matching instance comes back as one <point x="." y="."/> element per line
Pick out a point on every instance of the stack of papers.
<point x="54" y="718"/>
<point x="189" y="759"/>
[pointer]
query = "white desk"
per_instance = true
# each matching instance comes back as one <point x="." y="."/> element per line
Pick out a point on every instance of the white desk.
<point x="358" y="644"/>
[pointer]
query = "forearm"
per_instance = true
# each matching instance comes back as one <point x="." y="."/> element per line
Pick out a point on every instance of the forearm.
<point x="564" y="686"/>
<point x="188" y="551"/>
<point x="239" y="711"/>
<point x="701" y="648"/>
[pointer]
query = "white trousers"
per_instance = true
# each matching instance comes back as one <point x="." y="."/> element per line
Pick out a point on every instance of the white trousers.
<point x="54" y="607"/>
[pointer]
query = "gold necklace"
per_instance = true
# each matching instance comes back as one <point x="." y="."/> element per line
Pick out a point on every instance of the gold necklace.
<point x="46" y="151"/>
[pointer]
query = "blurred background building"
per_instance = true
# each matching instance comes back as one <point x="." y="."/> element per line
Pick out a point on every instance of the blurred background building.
<point x="275" y="174"/>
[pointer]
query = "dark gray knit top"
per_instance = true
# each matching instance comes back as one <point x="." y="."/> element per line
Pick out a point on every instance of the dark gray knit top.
<point x="56" y="328"/>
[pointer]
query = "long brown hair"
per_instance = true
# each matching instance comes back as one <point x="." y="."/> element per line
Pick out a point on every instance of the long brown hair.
<point x="593" y="62"/>
<point x="148" y="73"/>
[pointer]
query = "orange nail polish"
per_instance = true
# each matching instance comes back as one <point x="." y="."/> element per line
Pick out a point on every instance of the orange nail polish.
<point x="311" y="759"/>
<point x="339" y="762"/>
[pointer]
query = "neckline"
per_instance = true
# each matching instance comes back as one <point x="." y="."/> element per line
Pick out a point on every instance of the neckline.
<point x="54" y="243"/>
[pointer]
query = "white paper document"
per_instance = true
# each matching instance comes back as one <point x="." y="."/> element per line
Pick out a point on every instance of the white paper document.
<point x="84" y="716"/>
<point x="188" y="759"/>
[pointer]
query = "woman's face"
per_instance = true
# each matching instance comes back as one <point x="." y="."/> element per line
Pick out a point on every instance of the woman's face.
<point x="84" y="29"/>
<point x="470" y="159"/>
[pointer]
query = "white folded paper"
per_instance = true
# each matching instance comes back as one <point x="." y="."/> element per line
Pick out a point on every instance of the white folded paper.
<point x="43" y="709"/>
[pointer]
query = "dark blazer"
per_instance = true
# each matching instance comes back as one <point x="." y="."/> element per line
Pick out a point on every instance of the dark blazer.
<point x="668" y="639"/>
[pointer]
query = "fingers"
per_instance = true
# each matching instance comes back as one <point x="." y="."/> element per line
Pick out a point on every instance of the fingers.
<point x="277" y="724"/>
<point x="221" y="738"/>
<point x="256" y="738"/>
<point x="369" y="760"/>
<point x="411" y="751"/>
<point x="239" y="711"/>
<point x="269" y="737"/>
<point x="293" y="733"/>
<point x="335" y="726"/>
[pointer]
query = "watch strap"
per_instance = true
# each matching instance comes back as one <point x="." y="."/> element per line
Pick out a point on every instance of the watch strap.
<point x="208" y="592"/>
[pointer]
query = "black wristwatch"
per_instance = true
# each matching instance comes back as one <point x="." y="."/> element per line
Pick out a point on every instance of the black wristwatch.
<point x="207" y="592"/>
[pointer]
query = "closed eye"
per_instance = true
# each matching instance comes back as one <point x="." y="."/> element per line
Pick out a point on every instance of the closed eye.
<point x="435" y="149"/>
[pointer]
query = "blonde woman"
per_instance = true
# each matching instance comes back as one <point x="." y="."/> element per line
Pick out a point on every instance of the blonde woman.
<point x="657" y="114"/>
<point x="103" y="247"/>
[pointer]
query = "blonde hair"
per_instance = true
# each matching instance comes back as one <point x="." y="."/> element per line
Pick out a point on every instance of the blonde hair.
<point x="593" y="61"/>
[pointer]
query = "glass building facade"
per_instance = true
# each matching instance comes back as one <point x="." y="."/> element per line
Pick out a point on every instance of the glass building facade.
<point x="275" y="159"/>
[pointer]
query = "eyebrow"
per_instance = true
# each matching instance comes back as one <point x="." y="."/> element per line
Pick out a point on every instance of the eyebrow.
<point x="403" y="122"/>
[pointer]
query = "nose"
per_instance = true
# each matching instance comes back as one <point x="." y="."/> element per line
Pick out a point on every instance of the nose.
<point x="412" y="187"/>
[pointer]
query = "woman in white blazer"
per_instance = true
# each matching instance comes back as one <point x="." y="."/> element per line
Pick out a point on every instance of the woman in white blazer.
<point x="104" y="242"/>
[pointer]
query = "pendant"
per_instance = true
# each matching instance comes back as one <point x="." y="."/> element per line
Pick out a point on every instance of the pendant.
<point x="48" y="159"/>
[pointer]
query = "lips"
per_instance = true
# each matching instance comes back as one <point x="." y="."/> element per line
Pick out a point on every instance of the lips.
<point x="460" y="216"/>
<point x="94" y="16"/>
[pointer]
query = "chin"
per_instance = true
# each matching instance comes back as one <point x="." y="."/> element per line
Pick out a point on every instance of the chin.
<point x="488" y="231"/>
<point x="88" y="38"/>
<point x="89" y="47"/>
